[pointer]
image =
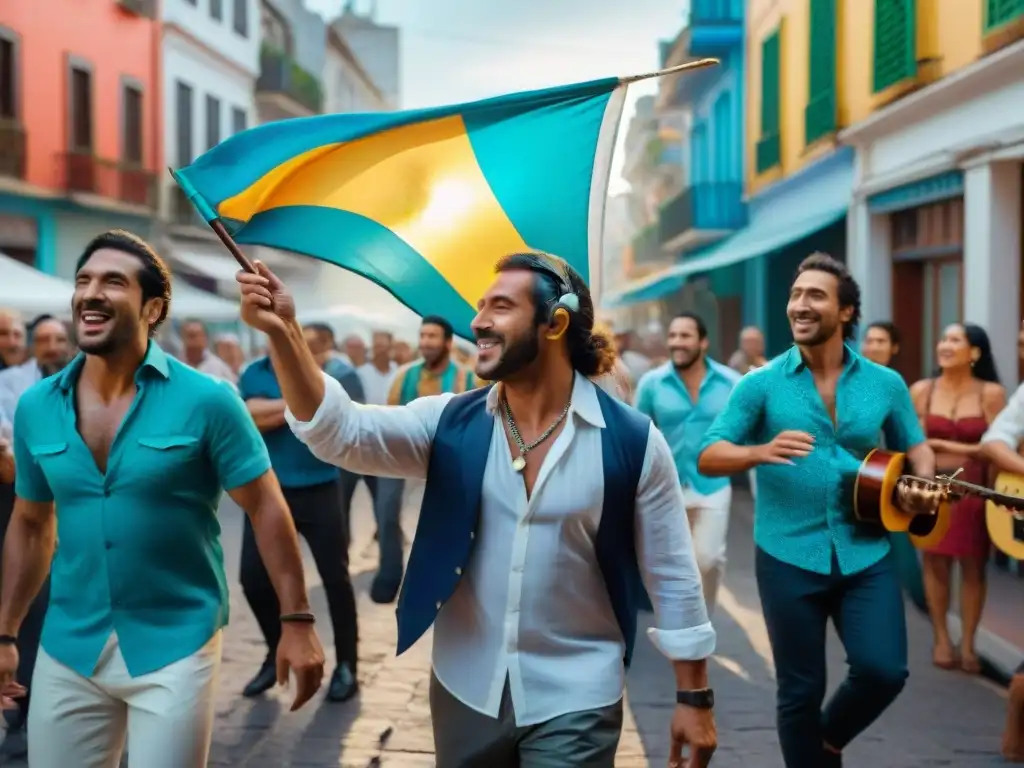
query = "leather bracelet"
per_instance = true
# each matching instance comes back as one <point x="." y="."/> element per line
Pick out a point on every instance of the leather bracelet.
<point x="8" y="640"/>
<point x="298" y="618"/>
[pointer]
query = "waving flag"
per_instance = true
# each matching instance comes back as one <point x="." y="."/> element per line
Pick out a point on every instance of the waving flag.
<point x="424" y="202"/>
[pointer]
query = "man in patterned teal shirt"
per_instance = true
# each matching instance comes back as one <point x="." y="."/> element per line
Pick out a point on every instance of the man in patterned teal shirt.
<point x="806" y="420"/>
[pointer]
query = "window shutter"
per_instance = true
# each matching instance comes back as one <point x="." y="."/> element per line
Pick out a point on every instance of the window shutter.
<point x="999" y="12"/>
<point x="820" y="113"/>
<point x="768" y="148"/>
<point x="895" y="57"/>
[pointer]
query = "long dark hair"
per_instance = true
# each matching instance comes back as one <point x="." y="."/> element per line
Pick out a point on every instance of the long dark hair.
<point x="984" y="367"/>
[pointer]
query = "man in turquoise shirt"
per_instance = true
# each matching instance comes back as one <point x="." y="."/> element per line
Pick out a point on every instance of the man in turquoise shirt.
<point x="123" y="457"/>
<point x="682" y="397"/>
<point x="806" y="420"/>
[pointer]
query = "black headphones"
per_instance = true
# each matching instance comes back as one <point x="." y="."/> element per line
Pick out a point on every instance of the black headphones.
<point x="567" y="300"/>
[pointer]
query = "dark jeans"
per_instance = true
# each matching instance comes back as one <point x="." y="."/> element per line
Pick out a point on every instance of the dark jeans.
<point x="31" y="627"/>
<point x="319" y="515"/>
<point x="387" y="493"/>
<point x="868" y="613"/>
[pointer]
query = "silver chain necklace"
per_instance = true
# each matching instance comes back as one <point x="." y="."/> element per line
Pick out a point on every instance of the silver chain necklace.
<point x="519" y="462"/>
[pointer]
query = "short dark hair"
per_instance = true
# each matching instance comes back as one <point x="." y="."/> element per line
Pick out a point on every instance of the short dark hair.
<point x="194" y="321"/>
<point x="37" y="321"/>
<point x="322" y="328"/>
<point x="702" y="329"/>
<point x="154" y="277"/>
<point x="848" y="290"/>
<point x="890" y="328"/>
<point x="441" y="323"/>
<point x="591" y="350"/>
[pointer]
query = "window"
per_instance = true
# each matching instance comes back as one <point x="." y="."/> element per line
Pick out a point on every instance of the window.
<point x="895" y="56"/>
<point x="184" y="99"/>
<point x="212" y="121"/>
<point x="238" y="120"/>
<point x="241" y="17"/>
<point x="217" y="10"/>
<point x="81" y="110"/>
<point x="820" y="113"/>
<point x="8" y="79"/>
<point x="769" y="150"/>
<point x="131" y="129"/>
<point x="1000" y="12"/>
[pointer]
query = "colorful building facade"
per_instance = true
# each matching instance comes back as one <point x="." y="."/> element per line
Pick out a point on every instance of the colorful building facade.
<point x="80" y="145"/>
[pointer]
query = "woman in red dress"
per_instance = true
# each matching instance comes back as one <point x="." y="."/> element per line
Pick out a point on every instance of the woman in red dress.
<point x="956" y="407"/>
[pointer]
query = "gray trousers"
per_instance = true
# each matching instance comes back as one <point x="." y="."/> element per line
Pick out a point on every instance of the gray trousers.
<point x="464" y="738"/>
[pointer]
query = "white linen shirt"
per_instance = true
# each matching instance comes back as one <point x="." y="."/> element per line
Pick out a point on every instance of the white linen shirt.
<point x="532" y="605"/>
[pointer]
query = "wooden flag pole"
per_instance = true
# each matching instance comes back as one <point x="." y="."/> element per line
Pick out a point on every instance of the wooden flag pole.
<point x="211" y="218"/>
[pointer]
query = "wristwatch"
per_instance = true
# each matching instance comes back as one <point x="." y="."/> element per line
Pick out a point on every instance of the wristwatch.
<point x="702" y="698"/>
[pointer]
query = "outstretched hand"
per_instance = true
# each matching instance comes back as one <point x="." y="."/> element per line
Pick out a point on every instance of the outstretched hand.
<point x="266" y="304"/>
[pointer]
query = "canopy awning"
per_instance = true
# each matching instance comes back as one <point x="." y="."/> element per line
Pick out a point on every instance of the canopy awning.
<point x="188" y="301"/>
<point x="212" y="263"/>
<point x="801" y="210"/>
<point x="32" y="292"/>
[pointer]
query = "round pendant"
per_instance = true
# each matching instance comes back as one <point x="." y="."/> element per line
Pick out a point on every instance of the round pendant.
<point x="519" y="463"/>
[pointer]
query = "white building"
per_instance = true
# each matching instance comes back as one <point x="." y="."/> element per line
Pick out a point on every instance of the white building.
<point x="347" y="85"/>
<point x="378" y="47"/>
<point x="211" y="62"/>
<point x="934" y="233"/>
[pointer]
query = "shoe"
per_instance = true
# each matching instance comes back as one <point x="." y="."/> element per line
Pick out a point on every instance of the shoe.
<point x="15" y="746"/>
<point x="344" y="684"/>
<point x="264" y="680"/>
<point x="831" y="759"/>
<point x="384" y="591"/>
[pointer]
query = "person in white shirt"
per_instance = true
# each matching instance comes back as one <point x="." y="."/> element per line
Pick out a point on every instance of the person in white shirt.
<point x="533" y="489"/>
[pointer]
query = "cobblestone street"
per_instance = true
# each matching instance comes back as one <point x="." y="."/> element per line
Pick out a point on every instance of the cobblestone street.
<point x="942" y="719"/>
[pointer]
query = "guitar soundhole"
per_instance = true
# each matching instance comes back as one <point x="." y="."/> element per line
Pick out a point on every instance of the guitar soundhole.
<point x="922" y="525"/>
<point x="1018" y="529"/>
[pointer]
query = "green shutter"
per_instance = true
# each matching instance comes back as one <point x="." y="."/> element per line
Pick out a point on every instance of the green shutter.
<point x="768" y="148"/>
<point x="999" y="12"/>
<point x="820" y="113"/>
<point x="895" y="42"/>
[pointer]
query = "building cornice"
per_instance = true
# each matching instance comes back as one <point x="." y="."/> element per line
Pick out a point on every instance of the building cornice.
<point x="172" y="27"/>
<point x="994" y="71"/>
<point x="337" y="42"/>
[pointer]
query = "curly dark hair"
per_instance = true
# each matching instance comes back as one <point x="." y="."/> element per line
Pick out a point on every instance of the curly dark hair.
<point x="154" y="277"/>
<point x="849" y="291"/>
<point x="591" y="349"/>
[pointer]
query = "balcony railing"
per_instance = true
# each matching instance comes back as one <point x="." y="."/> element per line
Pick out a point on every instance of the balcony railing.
<point x="12" y="149"/>
<point x="716" y="26"/>
<point x="647" y="246"/>
<point x="279" y="73"/>
<point x="182" y="212"/>
<point x="143" y="8"/>
<point x="710" y="206"/>
<point x="84" y="173"/>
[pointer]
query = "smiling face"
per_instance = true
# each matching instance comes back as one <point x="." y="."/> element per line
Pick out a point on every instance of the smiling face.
<point x="107" y="306"/>
<point x="813" y="310"/>
<point x="877" y="346"/>
<point x="685" y="346"/>
<point x="954" y="350"/>
<point x="507" y="334"/>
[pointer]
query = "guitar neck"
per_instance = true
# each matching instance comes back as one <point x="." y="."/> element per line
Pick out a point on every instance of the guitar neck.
<point x="1011" y="502"/>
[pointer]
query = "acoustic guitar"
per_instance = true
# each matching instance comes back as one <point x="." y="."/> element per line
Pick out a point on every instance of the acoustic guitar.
<point x="885" y="496"/>
<point x="1006" y="530"/>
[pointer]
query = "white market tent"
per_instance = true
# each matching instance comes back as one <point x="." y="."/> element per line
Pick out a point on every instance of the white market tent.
<point x="32" y="292"/>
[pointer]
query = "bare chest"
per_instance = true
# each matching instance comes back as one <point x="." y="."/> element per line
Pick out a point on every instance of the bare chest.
<point x="99" y="422"/>
<point x="534" y="457"/>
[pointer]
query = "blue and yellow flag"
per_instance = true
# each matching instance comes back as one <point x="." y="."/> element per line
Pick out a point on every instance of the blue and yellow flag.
<point x="424" y="202"/>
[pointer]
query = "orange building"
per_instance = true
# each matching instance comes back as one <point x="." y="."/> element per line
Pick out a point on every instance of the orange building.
<point x="80" y="138"/>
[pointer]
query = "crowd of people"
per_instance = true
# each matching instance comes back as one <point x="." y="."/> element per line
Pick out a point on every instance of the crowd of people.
<point x="605" y="465"/>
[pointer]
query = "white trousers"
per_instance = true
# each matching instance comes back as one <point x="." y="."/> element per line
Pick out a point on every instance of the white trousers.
<point x="81" y="722"/>
<point x="709" y="527"/>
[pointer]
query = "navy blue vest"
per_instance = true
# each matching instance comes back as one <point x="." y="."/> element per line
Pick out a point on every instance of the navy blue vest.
<point x="452" y="501"/>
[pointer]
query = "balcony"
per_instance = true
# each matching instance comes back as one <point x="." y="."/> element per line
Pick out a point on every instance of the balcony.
<point x="647" y="247"/>
<point x="86" y="174"/>
<point x="285" y="89"/>
<point x="12" y="149"/>
<point x="701" y="214"/>
<point x="144" y="8"/>
<point x="716" y="27"/>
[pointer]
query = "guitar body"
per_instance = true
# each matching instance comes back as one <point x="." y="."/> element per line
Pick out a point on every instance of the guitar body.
<point x="1006" y="529"/>
<point x="874" y="494"/>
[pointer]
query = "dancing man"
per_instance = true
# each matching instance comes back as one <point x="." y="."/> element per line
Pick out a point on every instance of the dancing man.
<point x="682" y="397"/>
<point x="545" y="501"/>
<point x="806" y="420"/>
<point x="123" y="456"/>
